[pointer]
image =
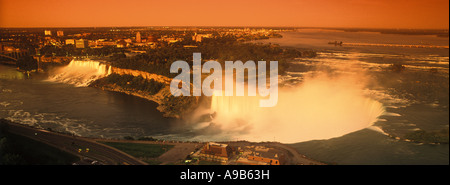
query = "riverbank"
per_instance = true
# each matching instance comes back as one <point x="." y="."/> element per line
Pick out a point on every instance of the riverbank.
<point x="170" y="106"/>
<point x="135" y="152"/>
<point x="16" y="149"/>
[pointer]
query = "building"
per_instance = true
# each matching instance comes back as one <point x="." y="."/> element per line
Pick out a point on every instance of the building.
<point x="138" y="37"/>
<point x="199" y="37"/>
<point x="47" y="32"/>
<point x="151" y="39"/>
<point x="81" y="43"/>
<point x="260" y="155"/>
<point x="216" y="152"/>
<point x="105" y="43"/>
<point x="70" y="41"/>
<point x="128" y="41"/>
<point x="92" y="44"/>
<point x="269" y="158"/>
<point x="121" y="44"/>
<point x="60" y="33"/>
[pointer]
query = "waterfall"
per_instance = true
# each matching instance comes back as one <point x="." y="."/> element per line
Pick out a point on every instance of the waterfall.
<point x="81" y="73"/>
<point x="318" y="109"/>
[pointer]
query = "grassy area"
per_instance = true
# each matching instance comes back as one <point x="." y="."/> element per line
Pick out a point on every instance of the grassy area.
<point x="26" y="151"/>
<point x="203" y="162"/>
<point x="145" y="152"/>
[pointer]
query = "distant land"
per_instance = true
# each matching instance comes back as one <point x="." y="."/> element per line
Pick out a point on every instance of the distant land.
<point x="402" y="31"/>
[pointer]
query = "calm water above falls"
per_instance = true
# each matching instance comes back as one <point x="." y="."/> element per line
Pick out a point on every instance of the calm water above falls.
<point x="92" y="112"/>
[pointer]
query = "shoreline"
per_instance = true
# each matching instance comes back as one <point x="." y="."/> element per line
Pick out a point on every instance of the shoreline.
<point x="157" y="98"/>
<point x="117" y="156"/>
<point x="166" y="102"/>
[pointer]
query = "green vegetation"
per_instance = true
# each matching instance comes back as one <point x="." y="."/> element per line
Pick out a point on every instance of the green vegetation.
<point x="178" y="104"/>
<point x="422" y="136"/>
<point x="70" y="50"/>
<point x="145" y="152"/>
<point x="130" y="82"/>
<point x="221" y="49"/>
<point x="19" y="150"/>
<point x="203" y="162"/>
<point x="27" y="63"/>
<point x="145" y="138"/>
<point x="170" y="105"/>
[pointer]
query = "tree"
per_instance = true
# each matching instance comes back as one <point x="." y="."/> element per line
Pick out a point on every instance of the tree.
<point x="12" y="159"/>
<point x="117" y="56"/>
<point x="27" y="63"/>
<point x="3" y="127"/>
<point x="128" y="138"/>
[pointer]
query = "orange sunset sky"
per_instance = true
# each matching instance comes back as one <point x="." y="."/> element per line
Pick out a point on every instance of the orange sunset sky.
<point x="301" y="13"/>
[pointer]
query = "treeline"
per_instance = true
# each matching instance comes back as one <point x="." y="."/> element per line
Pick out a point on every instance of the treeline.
<point x="158" y="60"/>
<point x="179" y="104"/>
<point x="145" y="138"/>
<point x="71" y="50"/>
<point x="8" y="156"/>
<point x="27" y="63"/>
<point x="19" y="150"/>
<point x="130" y="82"/>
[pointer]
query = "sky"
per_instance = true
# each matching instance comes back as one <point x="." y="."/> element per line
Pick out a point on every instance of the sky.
<point x="424" y="14"/>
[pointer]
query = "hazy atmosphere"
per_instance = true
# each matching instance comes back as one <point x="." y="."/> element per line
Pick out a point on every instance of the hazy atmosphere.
<point x="97" y="82"/>
<point x="424" y="14"/>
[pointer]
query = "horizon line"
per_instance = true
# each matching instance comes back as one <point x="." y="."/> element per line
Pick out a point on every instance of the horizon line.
<point x="298" y="27"/>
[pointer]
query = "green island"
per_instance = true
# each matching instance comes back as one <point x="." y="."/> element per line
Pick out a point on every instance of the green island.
<point x="130" y="83"/>
<point x="20" y="150"/>
<point x="158" y="61"/>
<point x="221" y="49"/>
<point x="145" y="152"/>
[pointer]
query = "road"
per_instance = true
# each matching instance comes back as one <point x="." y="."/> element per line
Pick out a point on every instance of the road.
<point x="297" y="157"/>
<point x="82" y="147"/>
<point x="90" y="149"/>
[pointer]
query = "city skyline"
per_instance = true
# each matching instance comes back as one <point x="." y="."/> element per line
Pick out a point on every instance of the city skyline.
<point x="414" y="14"/>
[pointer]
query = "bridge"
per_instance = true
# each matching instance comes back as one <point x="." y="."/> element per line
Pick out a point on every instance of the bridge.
<point x="14" y="56"/>
<point x="396" y="45"/>
<point x="10" y="58"/>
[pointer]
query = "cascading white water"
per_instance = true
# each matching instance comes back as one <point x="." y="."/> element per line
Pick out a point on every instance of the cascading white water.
<point x="81" y="73"/>
<point x="321" y="108"/>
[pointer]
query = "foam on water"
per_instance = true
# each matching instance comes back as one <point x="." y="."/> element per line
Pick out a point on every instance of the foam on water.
<point x="81" y="73"/>
<point x="321" y="108"/>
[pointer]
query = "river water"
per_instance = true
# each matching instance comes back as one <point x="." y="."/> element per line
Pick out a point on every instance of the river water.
<point x="415" y="99"/>
<point x="84" y="111"/>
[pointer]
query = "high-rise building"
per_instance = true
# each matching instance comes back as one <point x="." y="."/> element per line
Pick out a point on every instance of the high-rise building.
<point x="48" y="32"/>
<point x="59" y="33"/>
<point x="138" y="37"/>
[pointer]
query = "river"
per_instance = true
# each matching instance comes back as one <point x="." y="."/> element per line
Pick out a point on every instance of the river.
<point x="414" y="99"/>
<point x="83" y="111"/>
